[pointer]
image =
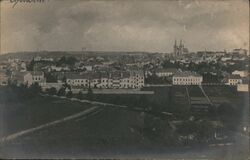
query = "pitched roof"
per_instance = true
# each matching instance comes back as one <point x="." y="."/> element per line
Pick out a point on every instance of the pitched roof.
<point x="173" y="70"/>
<point x="234" y="76"/>
<point x="36" y="73"/>
<point x="186" y="74"/>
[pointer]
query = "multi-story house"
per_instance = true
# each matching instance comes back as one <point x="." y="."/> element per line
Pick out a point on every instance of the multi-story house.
<point x="3" y="78"/>
<point x="165" y="72"/>
<point x="116" y="79"/>
<point x="187" y="78"/>
<point x="78" y="80"/>
<point x="126" y="81"/>
<point x="138" y="79"/>
<point x="240" y="73"/>
<point x="233" y="80"/>
<point x="34" y="77"/>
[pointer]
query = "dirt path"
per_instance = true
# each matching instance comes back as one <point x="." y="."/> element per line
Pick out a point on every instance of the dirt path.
<point x="204" y="93"/>
<point x="31" y="130"/>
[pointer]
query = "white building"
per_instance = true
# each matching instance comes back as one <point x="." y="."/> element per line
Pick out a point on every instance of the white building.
<point x="240" y="73"/>
<point x="187" y="78"/>
<point x="58" y="69"/>
<point x="23" y="67"/>
<point x="242" y="88"/>
<point x="233" y="80"/>
<point x="34" y="77"/>
<point x="3" y="78"/>
<point x="227" y="58"/>
<point x="127" y="79"/>
<point x="87" y="67"/>
<point x="165" y="72"/>
<point x="78" y="80"/>
<point x="136" y="79"/>
<point x="38" y="58"/>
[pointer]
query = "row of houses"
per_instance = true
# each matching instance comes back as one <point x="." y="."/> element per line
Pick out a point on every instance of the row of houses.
<point x="126" y="79"/>
<point x="28" y="77"/>
<point x="123" y="79"/>
<point x="187" y="78"/>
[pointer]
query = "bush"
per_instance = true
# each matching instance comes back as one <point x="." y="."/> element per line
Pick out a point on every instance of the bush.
<point x="52" y="91"/>
<point x="80" y="95"/>
<point x="90" y="94"/>
<point x="61" y="92"/>
<point x="69" y="94"/>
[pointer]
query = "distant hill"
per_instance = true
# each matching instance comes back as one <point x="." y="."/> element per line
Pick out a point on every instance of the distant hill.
<point x="30" y="55"/>
<point x="56" y="54"/>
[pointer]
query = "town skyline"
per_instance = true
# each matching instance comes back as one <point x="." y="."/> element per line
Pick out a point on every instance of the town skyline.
<point x="143" y="26"/>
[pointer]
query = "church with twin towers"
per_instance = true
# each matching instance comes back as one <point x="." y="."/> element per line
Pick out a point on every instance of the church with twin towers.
<point x="179" y="49"/>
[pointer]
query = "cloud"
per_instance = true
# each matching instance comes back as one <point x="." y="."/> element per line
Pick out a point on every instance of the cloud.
<point x="125" y="25"/>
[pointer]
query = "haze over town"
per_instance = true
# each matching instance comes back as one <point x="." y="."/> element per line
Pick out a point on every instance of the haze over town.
<point x="145" y="79"/>
<point x="124" y="26"/>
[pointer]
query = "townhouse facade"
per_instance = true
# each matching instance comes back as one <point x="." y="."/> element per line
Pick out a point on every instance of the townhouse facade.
<point x="165" y="72"/>
<point x="243" y="73"/>
<point x="233" y="80"/>
<point x="3" y="78"/>
<point x="34" y="77"/>
<point x="187" y="78"/>
<point x="112" y="80"/>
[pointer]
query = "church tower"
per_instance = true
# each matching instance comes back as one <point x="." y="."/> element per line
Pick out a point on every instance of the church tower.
<point x="181" y="47"/>
<point x="175" y="48"/>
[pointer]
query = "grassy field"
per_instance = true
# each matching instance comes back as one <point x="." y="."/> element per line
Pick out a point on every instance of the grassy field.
<point x="17" y="116"/>
<point x="112" y="130"/>
<point x="195" y="91"/>
<point x="221" y="91"/>
<point x="227" y="94"/>
<point x="109" y="130"/>
<point x="168" y="98"/>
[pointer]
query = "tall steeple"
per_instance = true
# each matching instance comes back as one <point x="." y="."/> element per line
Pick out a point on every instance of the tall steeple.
<point x="175" y="48"/>
<point x="181" y="48"/>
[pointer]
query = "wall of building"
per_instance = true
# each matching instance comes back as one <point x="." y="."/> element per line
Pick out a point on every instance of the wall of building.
<point x="188" y="80"/>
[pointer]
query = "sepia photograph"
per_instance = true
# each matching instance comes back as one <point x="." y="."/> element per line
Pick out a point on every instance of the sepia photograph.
<point x="124" y="79"/>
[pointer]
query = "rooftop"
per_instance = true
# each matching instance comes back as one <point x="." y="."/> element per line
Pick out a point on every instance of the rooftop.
<point x="36" y="73"/>
<point x="186" y="74"/>
<point x="234" y="76"/>
<point x="98" y="75"/>
<point x="167" y="70"/>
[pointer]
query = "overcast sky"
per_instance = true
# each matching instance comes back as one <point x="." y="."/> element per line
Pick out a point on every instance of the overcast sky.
<point x="124" y="25"/>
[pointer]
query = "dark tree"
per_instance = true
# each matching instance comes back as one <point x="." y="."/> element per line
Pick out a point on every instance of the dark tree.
<point x="52" y="91"/>
<point x="90" y="94"/>
<point x="66" y="61"/>
<point x="61" y="92"/>
<point x="80" y="95"/>
<point x="30" y="66"/>
<point x="69" y="94"/>
<point x="50" y="78"/>
<point x="204" y="130"/>
<point x="35" y="88"/>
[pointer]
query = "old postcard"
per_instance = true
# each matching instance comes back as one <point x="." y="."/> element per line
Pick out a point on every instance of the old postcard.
<point x="124" y="79"/>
